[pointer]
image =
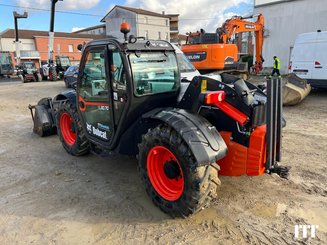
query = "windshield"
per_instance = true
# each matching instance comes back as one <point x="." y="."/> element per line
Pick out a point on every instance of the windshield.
<point x="28" y="65"/>
<point x="184" y="63"/>
<point x="64" y="61"/>
<point x="154" y="72"/>
<point x="194" y="39"/>
<point x="4" y="59"/>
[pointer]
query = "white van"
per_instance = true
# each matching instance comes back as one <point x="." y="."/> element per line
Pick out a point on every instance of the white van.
<point x="309" y="58"/>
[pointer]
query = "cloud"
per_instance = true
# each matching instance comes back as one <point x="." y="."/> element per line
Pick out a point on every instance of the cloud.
<point x="194" y="15"/>
<point x="65" y="5"/>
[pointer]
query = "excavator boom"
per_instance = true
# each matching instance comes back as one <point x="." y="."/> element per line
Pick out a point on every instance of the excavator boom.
<point x="238" y="24"/>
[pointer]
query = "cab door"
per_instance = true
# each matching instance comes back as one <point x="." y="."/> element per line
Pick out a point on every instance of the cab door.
<point x="95" y="95"/>
<point x="118" y="82"/>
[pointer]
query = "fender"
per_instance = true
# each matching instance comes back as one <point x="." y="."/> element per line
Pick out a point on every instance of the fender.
<point x="203" y="138"/>
<point x="66" y="95"/>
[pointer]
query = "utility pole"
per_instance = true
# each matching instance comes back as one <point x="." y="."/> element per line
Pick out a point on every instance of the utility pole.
<point x="16" y="17"/>
<point x="51" y="33"/>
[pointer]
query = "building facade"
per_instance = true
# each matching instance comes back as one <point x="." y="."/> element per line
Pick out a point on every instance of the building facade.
<point x="34" y="44"/>
<point x="174" y="30"/>
<point x="143" y="23"/>
<point x="93" y="30"/>
<point x="284" y="20"/>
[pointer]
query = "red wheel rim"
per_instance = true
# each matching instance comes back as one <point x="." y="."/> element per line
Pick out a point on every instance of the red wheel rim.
<point x="66" y="124"/>
<point x="167" y="187"/>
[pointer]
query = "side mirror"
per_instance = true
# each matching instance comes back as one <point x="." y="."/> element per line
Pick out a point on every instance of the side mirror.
<point x="80" y="47"/>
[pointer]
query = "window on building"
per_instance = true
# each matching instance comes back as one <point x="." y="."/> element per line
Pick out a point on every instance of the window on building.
<point x="146" y="34"/>
<point x="70" y="48"/>
<point x="159" y="35"/>
<point x="167" y="22"/>
<point x="146" y="20"/>
<point x="166" y="36"/>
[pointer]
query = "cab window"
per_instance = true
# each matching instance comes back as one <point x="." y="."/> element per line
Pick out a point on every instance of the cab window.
<point x="94" y="98"/>
<point x="93" y="82"/>
<point x="154" y="72"/>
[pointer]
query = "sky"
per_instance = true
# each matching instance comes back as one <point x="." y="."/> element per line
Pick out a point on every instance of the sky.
<point x="194" y="14"/>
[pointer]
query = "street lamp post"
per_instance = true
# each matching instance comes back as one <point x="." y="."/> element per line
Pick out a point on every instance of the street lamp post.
<point x="16" y="17"/>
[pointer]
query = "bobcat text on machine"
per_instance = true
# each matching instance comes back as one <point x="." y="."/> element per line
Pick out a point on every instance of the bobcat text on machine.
<point x="126" y="101"/>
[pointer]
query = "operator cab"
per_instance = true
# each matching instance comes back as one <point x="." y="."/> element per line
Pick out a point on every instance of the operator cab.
<point x="120" y="81"/>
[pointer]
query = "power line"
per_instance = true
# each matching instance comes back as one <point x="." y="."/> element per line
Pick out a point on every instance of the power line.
<point x="95" y="15"/>
<point x="48" y="10"/>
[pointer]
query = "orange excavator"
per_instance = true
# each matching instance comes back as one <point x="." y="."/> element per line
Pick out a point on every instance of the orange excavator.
<point x="216" y="51"/>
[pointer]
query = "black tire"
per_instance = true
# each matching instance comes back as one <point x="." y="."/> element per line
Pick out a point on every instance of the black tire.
<point x="53" y="75"/>
<point x="81" y="144"/>
<point x="200" y="182"/>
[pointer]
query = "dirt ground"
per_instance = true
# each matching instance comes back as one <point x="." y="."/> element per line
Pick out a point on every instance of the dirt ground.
<point x="50" y="197"/>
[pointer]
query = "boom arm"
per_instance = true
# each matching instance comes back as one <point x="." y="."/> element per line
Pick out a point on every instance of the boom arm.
<point x="238" y="24"/>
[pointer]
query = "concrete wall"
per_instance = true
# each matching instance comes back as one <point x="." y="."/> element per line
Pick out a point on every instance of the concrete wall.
<point x="284" y="21"/>
<point x="97" y="31"/>
<point x="7" y="44"/>
<point x="60" y="47"/>
<point x="139" y="24"/>
<point x="115" y="18"/>
<point x="153" y="25"/>
<point x="259" y="2"/>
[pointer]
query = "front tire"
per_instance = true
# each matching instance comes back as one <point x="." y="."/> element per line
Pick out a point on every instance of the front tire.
<point x="172" y="177"/>
<point x="70" y="130"/>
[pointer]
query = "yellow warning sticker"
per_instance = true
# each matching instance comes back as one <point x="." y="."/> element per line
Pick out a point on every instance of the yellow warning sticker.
<point x="204" y="46"/>
<point x="204" y="86"/>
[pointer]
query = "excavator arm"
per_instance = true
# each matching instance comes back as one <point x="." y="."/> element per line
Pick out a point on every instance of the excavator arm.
<point x="238" y="24"/>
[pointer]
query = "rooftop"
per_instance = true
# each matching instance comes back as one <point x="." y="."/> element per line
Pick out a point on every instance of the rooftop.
<point x="137" y="11"/>
<point x="90" y="28"/>
<point x="30" y="34"/>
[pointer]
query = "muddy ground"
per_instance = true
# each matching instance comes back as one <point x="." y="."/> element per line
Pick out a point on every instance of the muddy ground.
<point x="50" y="197"/>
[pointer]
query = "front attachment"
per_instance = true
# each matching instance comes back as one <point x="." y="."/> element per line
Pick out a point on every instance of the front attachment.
<point x="274" y="128"/>
<point x="43" y="118"/>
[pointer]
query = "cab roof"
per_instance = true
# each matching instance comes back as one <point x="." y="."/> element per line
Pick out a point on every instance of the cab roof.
<point x="139" y="45"/>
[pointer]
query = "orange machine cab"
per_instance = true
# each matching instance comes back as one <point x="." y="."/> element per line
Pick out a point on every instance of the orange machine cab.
<point x="242" y="160"/>
<point x="211" y="56"/>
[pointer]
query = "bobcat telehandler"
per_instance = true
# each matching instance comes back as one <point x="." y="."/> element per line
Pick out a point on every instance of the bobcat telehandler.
<point x="126" y="101"/>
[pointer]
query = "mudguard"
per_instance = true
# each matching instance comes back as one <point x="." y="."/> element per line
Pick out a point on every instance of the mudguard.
<point x="66" y="95"/>
<point x="43" y="120"/>
<point x="204" y="140"/>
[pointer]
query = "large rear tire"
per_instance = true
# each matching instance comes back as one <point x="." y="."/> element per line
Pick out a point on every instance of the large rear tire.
<point x="53" y="75"/>
<point x="70" y="130"/>
<point x="172" y="177"/>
